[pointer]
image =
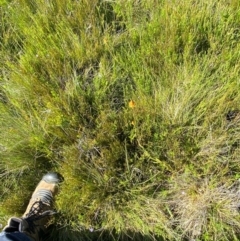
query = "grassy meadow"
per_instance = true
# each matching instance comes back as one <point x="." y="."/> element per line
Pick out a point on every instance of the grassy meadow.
<point x="136" y="103"/>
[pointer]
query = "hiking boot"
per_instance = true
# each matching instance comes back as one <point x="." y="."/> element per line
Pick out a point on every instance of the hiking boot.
<point x="35" y="220"/>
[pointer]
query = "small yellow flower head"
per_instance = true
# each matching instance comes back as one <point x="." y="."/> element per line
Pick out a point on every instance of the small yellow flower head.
<point x="131" y="104"/>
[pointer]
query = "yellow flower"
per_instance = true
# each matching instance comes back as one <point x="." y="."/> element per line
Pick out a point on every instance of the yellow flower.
<point x="131" y="104"/>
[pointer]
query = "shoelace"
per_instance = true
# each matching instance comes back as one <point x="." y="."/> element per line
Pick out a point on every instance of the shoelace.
<point x="35" y="214"/>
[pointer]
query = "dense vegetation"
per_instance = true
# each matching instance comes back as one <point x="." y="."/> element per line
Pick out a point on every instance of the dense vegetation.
<point x="135" y="103"/>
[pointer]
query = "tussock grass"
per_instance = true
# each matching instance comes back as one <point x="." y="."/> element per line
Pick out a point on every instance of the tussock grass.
<point x="136" y="103"/>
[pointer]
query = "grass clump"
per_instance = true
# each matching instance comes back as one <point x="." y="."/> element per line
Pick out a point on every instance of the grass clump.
<point x="135" y="103"/>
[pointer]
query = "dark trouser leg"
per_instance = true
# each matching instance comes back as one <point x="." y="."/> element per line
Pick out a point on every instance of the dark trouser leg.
<point x="14" y="236"/>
